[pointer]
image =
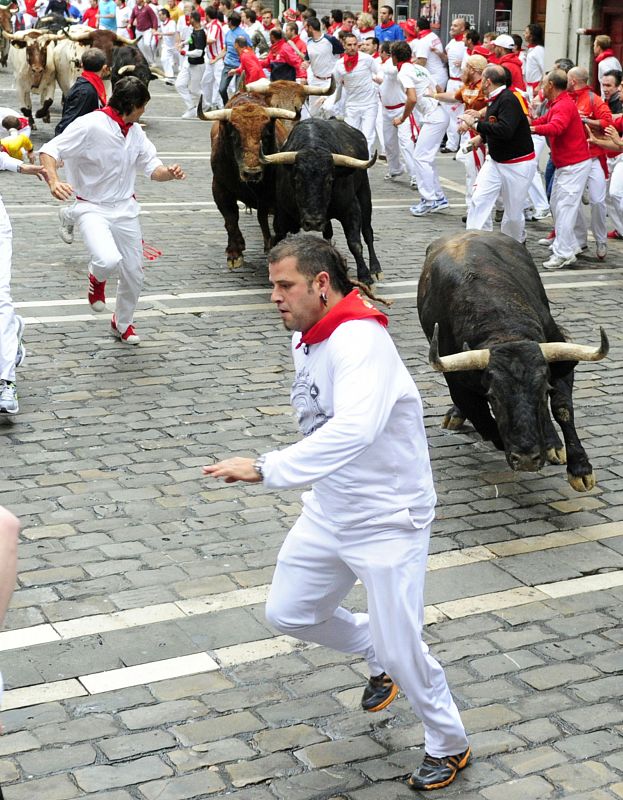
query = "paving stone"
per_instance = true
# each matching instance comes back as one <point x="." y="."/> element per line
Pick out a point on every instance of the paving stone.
<point x="511" y="640"/>
<point x="124" y="747"/>
<point x="485" y="691"/>
<point x="259" y="770"/>
<point x="178" y="688"/>
<point x="592" y="717"/>
<point x="536" y="760"/>
<point x="537" y="730"/>
<point x="557" y="675"/>
<point x="581" y="777"/>
<point x="221" y="727"/>
<point x="183" y="787"/>
<point x="505" y="663"/>
<point x="487" y="743"/>
<point x="297" y="710"/>
<point x="92" y="779"/>
<point x="162" y="713"/>
<point x="78" y="730"/>
<point x="18" y="743"/>
<point x="294" y="736"/>
<point x="581" y="623"/>
<point x="108" y="702"/>
<point x="587" y="745"/>
<point x="57" y="759"/>
<point x="326" y="754"/>
<point x="8" y="771"/>
<point x="207" y="755"/>
<point x="55" y="787"/>
<point x="239" y="699"/>
<point x="488" y="717"/>
<point x="602" y="689"/>
<point x="316" y="783"/>
<point x="533" y="787"/>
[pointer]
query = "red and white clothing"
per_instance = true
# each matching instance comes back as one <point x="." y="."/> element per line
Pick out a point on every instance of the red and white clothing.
<point x="513" y="64"/>
<point x="434" y="121"/>
<point x="361" y="415"/>
<point x="356" y="75"/>
<point x="145" y="21"/>
<point x="425" y="46"/>
<point x="101" y="165"/>
<point x="212" y="75"/>
<point x="534" y="68"/>
<point x="281" y="53"/>
<point x="399" y="141"/>
<point x="8" y="323"/>
<point x="323" y="55"/>
<point x="606" y="62"/>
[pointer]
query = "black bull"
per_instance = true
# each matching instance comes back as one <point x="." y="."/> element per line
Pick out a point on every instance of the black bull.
<point x="484" y="309"/>
<point x="322" y="175"/>
<point x="127" y="61"/>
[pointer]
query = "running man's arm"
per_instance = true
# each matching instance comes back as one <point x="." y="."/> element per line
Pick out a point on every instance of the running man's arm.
<point x="171" y="173"/>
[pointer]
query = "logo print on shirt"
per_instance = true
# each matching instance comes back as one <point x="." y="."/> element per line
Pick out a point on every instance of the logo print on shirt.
<point x="304" y="398"/>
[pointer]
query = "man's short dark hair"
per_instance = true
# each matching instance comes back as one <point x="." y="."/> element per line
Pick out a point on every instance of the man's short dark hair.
<point x="166" y="12"/>
<point x="388" y="8"/>
<point x="616" y="74"/>
<point x="314" y="255"/>
<point x="241" y="41"/>
<point x="423" y="23"/>
<point x="402" y="50"/>
<point x="93" y="59"/>
<point x="565" y="64"/>
<point x="195" y="16"/>
<point x="496" y="74"/>
<point x="558" y="79"/>
<point x="251" y="15"/>
<point x="472" y="36"/>
<point x="211" y="12"/>
<point x="385" y="47"/>
<point x="234" y="19"/>
<point x="314" y="23"/>
<point x="376" y="42"/>
<point x="336" y="13"/>
<point x="276" y="34"/>
<point x="10" y="122"/>
<point x="128" y="95"/>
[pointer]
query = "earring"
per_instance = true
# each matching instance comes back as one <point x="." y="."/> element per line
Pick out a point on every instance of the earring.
<point x="324" y="299"/>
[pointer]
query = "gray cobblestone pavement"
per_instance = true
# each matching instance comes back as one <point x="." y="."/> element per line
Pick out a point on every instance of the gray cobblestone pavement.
<point x="129" y="558"/>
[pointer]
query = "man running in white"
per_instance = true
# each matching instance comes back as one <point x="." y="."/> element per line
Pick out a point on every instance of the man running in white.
<point x="400" y="129"/>
<point x="102" y="152"/>
<point x="456" y="52"/>
<point x="428" y="52"/>
<point x="361" y="418"/>
<point x="323" y="52"/>
<point x="214" y="62"/>
<point x="358" y="73"/>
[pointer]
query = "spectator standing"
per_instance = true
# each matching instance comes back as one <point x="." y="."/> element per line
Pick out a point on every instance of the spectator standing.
<point x="428" y="52"/>
<point x="604" y="56"/>
<point x="188" y="82"/>
<point x="504" y="49"/>
<point x="456" y="51"/>
<point x="91" y="14"/>
<point x="168" y="52"/>
<point x="122" y="17"/>
<point x="387" y="30"/>
<point x="231" y="59"/>
<point x="569" y="151"/>
<point x="323" y="52"/>
<point x="534" y="63"/>
<point x="611" y="90"/>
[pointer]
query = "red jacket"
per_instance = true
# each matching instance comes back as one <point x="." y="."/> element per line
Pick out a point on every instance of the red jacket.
<point x="250" y="65"/>
<point x="591" y="106"/>
<point x="513" y="64"/>
<point x="281" y="53"/>
<point x="563" y="127"/>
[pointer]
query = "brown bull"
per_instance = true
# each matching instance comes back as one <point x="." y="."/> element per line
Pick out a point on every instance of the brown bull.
<point x="241" y="131"/>
<point x="103" y="39"/>
<point x="33" y="64"/>
<point x="292" y="95"/>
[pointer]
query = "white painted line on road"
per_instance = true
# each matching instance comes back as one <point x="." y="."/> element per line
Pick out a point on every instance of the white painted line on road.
<point x="153" y="671"/>
<point x="42" y="693"/>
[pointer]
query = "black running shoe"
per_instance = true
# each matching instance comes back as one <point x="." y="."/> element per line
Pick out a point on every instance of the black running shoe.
<point x="435" y="773"/>
<point x="379" y="693"/>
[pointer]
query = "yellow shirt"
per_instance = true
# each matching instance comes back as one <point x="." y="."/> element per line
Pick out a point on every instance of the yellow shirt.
<point x="176" y="12"/>
<point x="15" y="144"/>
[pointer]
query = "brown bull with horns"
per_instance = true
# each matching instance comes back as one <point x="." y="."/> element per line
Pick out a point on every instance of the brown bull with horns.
<point x="32" y="59"/>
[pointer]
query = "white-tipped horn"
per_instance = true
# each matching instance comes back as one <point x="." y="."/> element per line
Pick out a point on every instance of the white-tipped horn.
<point x="289" y="157"/>
<point x="126" y="69"/>
<point x="123" y="40"/>
<point x="567" y="351"/>
<point x="458" y="362"/>
<point x="355" y="163"/>
<point x="318" y="91"/>
<point x="80" y="37"/>
<point x="279" y="113"/>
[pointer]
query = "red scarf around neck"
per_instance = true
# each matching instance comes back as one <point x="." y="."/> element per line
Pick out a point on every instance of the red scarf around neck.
<point x="605" y="54"/>
<point x="353" y="306"/>
<point x="389" y="24"/>
<point x="268" y="27"/>
<point x="116" y="116"/>
<point x="365" y="30"/>
<point x="458" y="38"/>
<point x="422" y="34"/>
<point x="97" y="83"/>
<point x="401" y="64"/>
<point x="350" y="62"/>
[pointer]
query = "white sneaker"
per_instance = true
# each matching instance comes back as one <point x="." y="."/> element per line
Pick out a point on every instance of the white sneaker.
<point x="558" y="262"/>
<point x="66" y="230"/>
<point x="541" y="213"/>
<point x="190" y="114"/>
<point x="602" y="249"/>
<point x="8" y="398"/>
<point x="547" y="241"/>
<point x="389" y="176"/>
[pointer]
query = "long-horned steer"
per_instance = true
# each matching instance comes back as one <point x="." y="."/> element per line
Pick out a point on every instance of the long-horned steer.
<point x="485" y="313"/>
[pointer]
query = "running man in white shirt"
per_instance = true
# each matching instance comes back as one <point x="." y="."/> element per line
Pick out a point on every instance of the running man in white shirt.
<point x="359" y="74"/>
<point x="214" y="61"/>
<point x="323" y="52"/>
<point x="455" y="53"/>
<point x="102" y="152"/>
<point x="360" y="414"/>
<point x="428" y="52"/>
<point x="400" y="129"/>
<point x="168" y="54"/>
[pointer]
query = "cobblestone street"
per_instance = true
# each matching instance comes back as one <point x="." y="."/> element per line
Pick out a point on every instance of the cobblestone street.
<point x="137" y="661"/>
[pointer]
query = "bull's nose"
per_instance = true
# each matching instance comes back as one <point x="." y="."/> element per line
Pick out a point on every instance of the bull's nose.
<point x="526" y="462"/>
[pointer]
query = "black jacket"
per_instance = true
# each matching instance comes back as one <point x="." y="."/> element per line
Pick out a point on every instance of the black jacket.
<point x="505" y="128"/>
<point x="81" y="99"/>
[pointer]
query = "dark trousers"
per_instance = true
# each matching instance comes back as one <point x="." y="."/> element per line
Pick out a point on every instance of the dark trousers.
<point x="223" y="87"/>
<point x="550" y="171"/>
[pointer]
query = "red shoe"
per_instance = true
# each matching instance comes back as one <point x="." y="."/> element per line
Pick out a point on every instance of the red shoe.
<point x="129" y="337"/>
<point x="97" y="294"/>
<point x="614" y="235"/>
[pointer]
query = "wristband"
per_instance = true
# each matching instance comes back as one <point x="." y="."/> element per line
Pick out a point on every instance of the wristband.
<point x="258" y="466"/>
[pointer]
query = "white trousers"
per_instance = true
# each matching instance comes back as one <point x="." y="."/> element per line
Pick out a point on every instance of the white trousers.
<point x="314" y="102"/>
<point x="379" y="129"/>
<point x="399" y="144"/>
<point x="112" y="235"/>
<point x="146" y="45"/>
<point x="512" y="182"/>
<point x="210" y="82"/>
<point x="426" y="148"/>
<point x="566" y="199"/>
<point x="188" y="83"/>
<point x="454" y="110"/>
<point x="615" y="194"/>
<point x="169" y="59"/>
<point x="472" y="162"/>
<point x="597" y="186"/>
<point x="364" y="119"/>
<point x="316" y="568"/>
<point x="8" y="323"/>
<point x="536" y="192"/>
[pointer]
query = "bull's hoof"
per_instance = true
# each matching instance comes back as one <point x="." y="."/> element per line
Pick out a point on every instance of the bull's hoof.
<point x="582" y="483"/>
<point x="235" y="263"/>
<point x="453" y="419"/>
<point x="379" y="276"/>
<point x="556" y="455"/>
<point x="40" y="113"/>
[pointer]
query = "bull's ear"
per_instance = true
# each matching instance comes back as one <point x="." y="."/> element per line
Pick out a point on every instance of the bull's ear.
<point x="18" y="43"/>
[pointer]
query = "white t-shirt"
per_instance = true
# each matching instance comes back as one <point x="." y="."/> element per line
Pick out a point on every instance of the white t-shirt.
<point x="534" y="64"/>
<point x="413" y="76"/>
<point x="456" y="51"/>
<point x="364" y="446"/>
<point x="424" y="48"/>
<point x="391" y="90"/>
<point x="123" y="20"/>
<point x="361" y="91"/>
<point x="606" y="65"/>
<point x="168" y="30"/>
<point x="100" y="163"/>
<point x="322" y="59"/>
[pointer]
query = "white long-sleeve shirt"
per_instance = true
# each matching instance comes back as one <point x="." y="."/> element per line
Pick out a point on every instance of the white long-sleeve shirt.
<point x="361" y="91"/>
<point x="364" y="447"/>
<point x="100" y="163"/>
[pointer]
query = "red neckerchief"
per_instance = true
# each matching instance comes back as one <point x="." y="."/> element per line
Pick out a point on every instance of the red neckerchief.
<point x="97" y="83"/>
<point x="422" y="34"/>
<point x="23" y="122"/>
<point x="458" y="38"/>
<point x="386" y="25"/>
<point x="353" y="306"/>
<point x="350" y="62"/>
<point x="116" y="116"/>
<point x="479" y="50"/>
<point x="605" y="54"/>
<point x="376" y="55"/>
<point x="365" y="30"/>
<point x="401" y="64"/>
<point x="268" y="27"/>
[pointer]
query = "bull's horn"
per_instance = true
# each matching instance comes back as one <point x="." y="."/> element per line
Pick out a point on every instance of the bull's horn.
<point x="355" y="163"/>
<point x="11" y="36"/>
<point x="127" y="68"/>
<point x="458" y="362"/>
<point x="262" y="89"/>
<point x="158" y="72"/>
<point x="318" y="91"/>
<point x="279" y="113"/>
<point x="124" y="40"/>
<point x="79" y="37"/>
<point x="288" y="157"/>
<point x="212" y="116"/>
<point x="567" y="351"/>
